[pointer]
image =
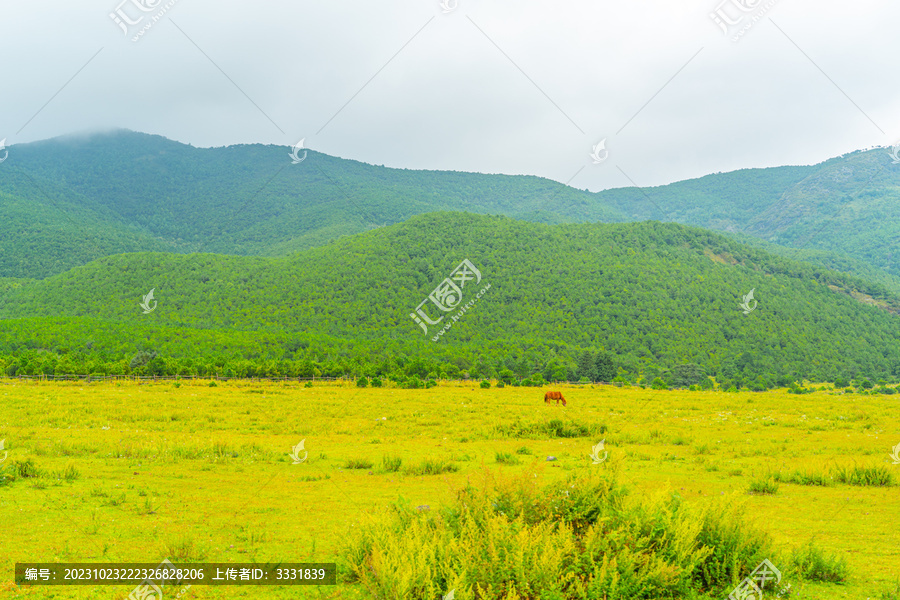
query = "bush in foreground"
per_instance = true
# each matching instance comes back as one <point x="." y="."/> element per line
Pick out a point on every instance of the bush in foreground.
<point x="580" y="539"/>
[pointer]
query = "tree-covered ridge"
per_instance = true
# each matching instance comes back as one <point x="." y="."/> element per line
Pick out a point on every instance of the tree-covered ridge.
<point x="66" y="201"/>
<point x="654" y="296"/>
<point x="79" y="198"/>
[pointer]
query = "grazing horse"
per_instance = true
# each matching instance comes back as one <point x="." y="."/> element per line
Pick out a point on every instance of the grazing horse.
<point x="554" y="396"/>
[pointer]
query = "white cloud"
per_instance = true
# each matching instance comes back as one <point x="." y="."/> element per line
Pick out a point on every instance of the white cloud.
<point x="451" y="99"/>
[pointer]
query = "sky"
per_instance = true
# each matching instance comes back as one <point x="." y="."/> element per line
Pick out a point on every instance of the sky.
<point x="597" y="94"/>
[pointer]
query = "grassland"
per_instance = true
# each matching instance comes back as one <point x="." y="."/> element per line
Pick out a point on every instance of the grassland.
<point x="134" y="472"/>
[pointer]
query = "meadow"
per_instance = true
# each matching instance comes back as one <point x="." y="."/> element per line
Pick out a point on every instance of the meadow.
<point x="195" y="472"/>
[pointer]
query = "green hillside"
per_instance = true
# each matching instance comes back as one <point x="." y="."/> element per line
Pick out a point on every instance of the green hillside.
<point x="847" y="206"/>
<point x="655" y="296"/>
<point x="69" y="200"/>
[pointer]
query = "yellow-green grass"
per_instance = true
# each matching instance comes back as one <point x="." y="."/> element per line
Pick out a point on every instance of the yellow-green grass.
<point x="199" y="473"/>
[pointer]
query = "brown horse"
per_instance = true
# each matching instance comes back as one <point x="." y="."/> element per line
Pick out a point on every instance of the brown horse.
<point x="554" y="396"/>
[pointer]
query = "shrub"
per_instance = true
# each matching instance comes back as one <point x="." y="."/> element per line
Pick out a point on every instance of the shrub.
<point x="865" y="476"/>
<point x="376" y="382"/>
<point x="431" y="467"/>
<point x="358" y="463"/>
<point x="812" y="564"/>
<point x="485" y="384"/>
<point x="658" y="384"/>
<point x="213" y="384"/>
<point x="505" y="458"/>
<point x="25" y="470"/>
<point x="809" y="478"/>
<point x="413" y="383"/>
<point x="308" y="384"/>
<point x="555" y="428"/>
<point x="362" y="382"/>
<point x="764" y="485"/>
<point x="521" y="541"/>
<point x="430" y="384"/>
<point x="524" y="450"/>
<point x="500" y="384"/>
<point x="391" y="464"/>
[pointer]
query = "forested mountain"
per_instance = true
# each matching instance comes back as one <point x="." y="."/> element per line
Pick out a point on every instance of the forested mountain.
<point x="655" y="296"/>
<point x="848" y="205"/>
<point x="66" y="201"/>
<point x="69" y="200"/>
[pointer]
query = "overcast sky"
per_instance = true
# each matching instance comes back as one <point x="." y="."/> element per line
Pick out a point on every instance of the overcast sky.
<point x="518" y="87"/>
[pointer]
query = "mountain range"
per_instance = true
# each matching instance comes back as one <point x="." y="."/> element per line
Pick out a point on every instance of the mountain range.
<point x="69" y="200"/>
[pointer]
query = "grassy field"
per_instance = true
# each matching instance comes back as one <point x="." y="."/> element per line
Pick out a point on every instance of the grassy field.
<point x="127" y="472"/>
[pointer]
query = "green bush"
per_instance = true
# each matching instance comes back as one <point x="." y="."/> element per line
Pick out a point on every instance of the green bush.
<point x="376" y="382"/>
<point x="764" y="485"/>
<point x="505" y="458"/>
<point x="485" y="384"/>
<point x="812" y="564"/>
<point x="25" y="470"/>
<point x="391" y="464"/>
<point x="515" y="539"/>
<point x="555" y="428"/>
<point x="431" y="467"/>
<point x="864" y="476"/>
<point x="362" y="382"/>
